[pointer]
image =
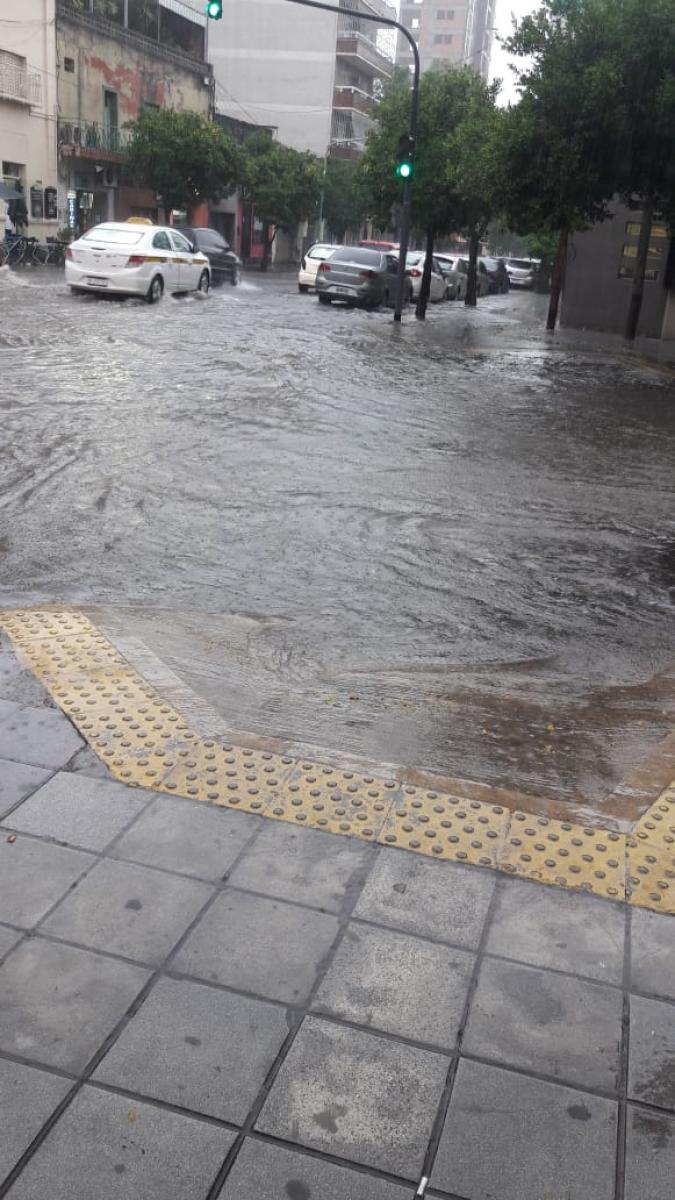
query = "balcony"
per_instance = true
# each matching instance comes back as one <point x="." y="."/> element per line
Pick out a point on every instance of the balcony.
<point x="360" y="51"/>
<point x="18" y="85"/>
<point x="342" y="150"/>
<point x="352" y="97"/>
<point x="90" y="139"/>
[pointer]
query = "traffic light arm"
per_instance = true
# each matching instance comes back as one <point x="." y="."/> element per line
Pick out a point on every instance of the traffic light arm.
<point x="414" y="108"/>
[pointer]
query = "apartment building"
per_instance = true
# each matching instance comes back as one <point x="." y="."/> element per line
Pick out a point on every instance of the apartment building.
<point x="311" y="75"/>
<point x="448" y="32"/>
<point x="115" y="58"/>
<point x="28" y="109"/>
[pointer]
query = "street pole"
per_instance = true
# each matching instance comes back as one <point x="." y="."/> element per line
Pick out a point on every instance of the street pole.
<point x="404" y="235"/>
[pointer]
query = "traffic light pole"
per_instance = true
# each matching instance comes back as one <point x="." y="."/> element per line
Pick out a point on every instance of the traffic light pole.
<point x="404" y="235"/>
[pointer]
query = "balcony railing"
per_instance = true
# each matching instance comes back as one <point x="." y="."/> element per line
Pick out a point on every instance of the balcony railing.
<point x="351" y="97"/>
<point x="19" y="84"/>
<point x="93" y="137"/>
<point x="351" y="43"/>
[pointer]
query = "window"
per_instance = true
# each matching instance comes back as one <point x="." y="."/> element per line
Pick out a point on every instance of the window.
<point x="180" y="243"/>
<point x="447" y="38"/>
<point x="415" y="23"/>
<point x="103" y="233"/>
<point x="438" y="37"/>
<point x="69" y="65"/>
<point x="629" y="251"/>
<point x="445" y="14"/>
<point x="210" y="239"/>
<point x="322" y="252"/>
<point x="161" y="241"/>
<point x="364" y="258"/>
<point x="628" y="272"/>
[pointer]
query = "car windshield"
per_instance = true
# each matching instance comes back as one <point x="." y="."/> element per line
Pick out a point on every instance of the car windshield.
<point x="352" y="254"/>
<point x="103" y="233"/>
<point x="413" y="259"/>
<point x="522" y="264"/>
<point x="321" y="252"/>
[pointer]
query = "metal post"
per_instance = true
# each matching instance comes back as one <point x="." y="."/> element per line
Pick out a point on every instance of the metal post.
<point x="404" y="234"/>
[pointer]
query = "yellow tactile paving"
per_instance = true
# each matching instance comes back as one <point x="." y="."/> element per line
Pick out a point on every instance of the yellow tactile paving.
<point x="146" y="742"/>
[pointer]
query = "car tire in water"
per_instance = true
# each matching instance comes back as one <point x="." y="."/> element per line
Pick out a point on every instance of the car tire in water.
<point x="156" y="290"/>
<point x="303" y="287"/>
<point x="204" y="283"/>
<point x="235" y="277"/>
<point x="324" y="299"/>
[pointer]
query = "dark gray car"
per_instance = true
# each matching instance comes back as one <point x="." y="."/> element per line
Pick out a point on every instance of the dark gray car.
<point x="359" y="276"/>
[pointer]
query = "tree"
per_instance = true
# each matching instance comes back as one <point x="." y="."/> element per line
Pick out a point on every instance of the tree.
<point x="183" y="157"/>
<point x="283" y="184"/>
<point x="440" y="191"/>
<point x="344" y="206"/>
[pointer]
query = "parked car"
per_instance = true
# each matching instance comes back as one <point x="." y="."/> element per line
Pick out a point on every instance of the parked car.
<point x="311" y="261"/>
<point x="226" y="266"/>
<point x="455" y="272"/>
<point x="384" y="246"/>
<point x="130" y="259"/>
<point x="497" y="283"/>
<point x="438" y="288"/>
<point x="359" y="276"/>
<point x="522" y="271"/>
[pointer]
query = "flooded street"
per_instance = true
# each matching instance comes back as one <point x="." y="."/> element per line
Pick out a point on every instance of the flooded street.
<point x="449" y="546"/>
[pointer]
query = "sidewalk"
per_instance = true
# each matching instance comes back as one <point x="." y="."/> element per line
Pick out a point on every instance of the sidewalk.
<point x="202" y="1003"/>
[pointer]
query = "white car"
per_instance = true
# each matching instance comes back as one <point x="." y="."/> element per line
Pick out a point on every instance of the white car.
<point x="311" y="261"/>
<point x="455" y="271"/>
<point x="522" y="271"/>
<point x="415" y="264"/>
<point x="134" y="259"/>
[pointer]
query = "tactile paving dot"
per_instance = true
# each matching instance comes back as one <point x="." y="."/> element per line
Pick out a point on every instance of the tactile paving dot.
<point x="445" y="826"/>
<point x="26" y="625"/>
<point x="559" y="852"/>
<point x="650" y="881"/>
<point x="231" y="776"/>
<point x="334" y="800"/>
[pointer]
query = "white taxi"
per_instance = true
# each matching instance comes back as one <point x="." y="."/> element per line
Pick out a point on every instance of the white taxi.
<point x="134" y="258"/>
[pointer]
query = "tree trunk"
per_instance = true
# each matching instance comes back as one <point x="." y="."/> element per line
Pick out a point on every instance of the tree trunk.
<point x="423" y="298"/>
<point x="471" y="279"/>
<point x="635" y="306"/>
<point x="267" y="248"/>
<point x="557" y="277"/>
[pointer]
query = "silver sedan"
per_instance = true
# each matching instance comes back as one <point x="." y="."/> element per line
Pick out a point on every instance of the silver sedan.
<point x="359" y="276"/>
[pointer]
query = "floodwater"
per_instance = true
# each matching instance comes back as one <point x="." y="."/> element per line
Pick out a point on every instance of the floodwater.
<point x="450" y="546"/>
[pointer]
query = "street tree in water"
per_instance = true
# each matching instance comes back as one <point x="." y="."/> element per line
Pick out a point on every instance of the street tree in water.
<point x="283" y="184"/>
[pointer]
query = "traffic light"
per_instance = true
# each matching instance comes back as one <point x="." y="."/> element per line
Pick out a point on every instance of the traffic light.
<point x="404" y="160"/>
<point x="214" y="10"/>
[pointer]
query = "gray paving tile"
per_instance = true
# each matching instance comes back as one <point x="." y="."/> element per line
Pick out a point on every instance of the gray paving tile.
<point x="303" y="865"/>
<point x="653" y="953"/>
<point x="27" y="1097"/>
<point x="516" y="1138"/>
<point x="59" y="1004"/>
<point x="551" y="1024"/>
<point x="259" y="945"/>
<point x="399" y="984"/>
<point x="19" y="684"/>
<point x="650" y="1155"/>
<point x="198" y="1047"/>
<point x="129" y="910"/>
<point x="195" y="838"/>
<point x="357" y="1096"/>
<point x="33" y="876"/>
<point x="441" y="900"/>
<point x="8" y="938"/>
<point x="7" y="707"/>
<point x="18" y="780"/>
<point x="262" y="1170"/>
<point x="110" y="1147"/>
<point x="651" y="1066"/>
<point x="567" y="931"/>
<point x="41" y="737"/>
<point x="84" y="812"/>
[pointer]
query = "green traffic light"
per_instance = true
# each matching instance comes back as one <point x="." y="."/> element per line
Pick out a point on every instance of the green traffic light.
<point x="214" y="9"/>
<point x="404" y="170"/>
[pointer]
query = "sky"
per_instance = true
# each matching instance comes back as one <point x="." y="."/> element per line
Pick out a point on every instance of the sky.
<point x="499" y="68"/>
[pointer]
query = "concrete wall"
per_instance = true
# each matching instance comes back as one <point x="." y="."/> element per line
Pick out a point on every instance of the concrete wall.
<point x="597" y="282"/>
<point x="28" y="129"/>
<point x="274" y="64"/>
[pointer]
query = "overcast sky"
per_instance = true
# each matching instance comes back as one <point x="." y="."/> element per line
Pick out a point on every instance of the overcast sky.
<point x="499" y="68"/>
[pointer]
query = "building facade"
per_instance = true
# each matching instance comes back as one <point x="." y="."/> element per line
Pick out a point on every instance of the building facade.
<point x="448" y="33"/>
<point x="599" y="276"/>
<point x="28" y="109"/>
<point x="115" y="58"/>
<point x="361" y="68"/>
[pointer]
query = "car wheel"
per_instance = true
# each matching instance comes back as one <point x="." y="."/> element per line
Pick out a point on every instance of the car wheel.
<point x="156" y="290"/>
<point x="204" y="283"/>
<point x="235" y="277"/>
<point x="303" y="287"/>
<point x="76" y="291"/>
<point x="324" y="299"/>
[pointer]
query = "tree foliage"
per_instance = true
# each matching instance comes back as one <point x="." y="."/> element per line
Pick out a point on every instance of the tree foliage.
<point x="183" y="157"/>
<point x="284" y="184"/>
<point x="344" y="205"/>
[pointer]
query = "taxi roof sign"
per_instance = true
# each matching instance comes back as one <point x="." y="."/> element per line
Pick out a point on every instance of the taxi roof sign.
<point x="138" y="221"/>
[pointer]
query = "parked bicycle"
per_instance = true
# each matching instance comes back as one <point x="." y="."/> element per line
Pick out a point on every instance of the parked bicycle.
<point x="17" y="250"/>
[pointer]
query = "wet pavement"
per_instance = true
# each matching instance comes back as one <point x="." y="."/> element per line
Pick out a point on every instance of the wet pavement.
<point x="447" y="546"/>
<point x="200" y="1003"/>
